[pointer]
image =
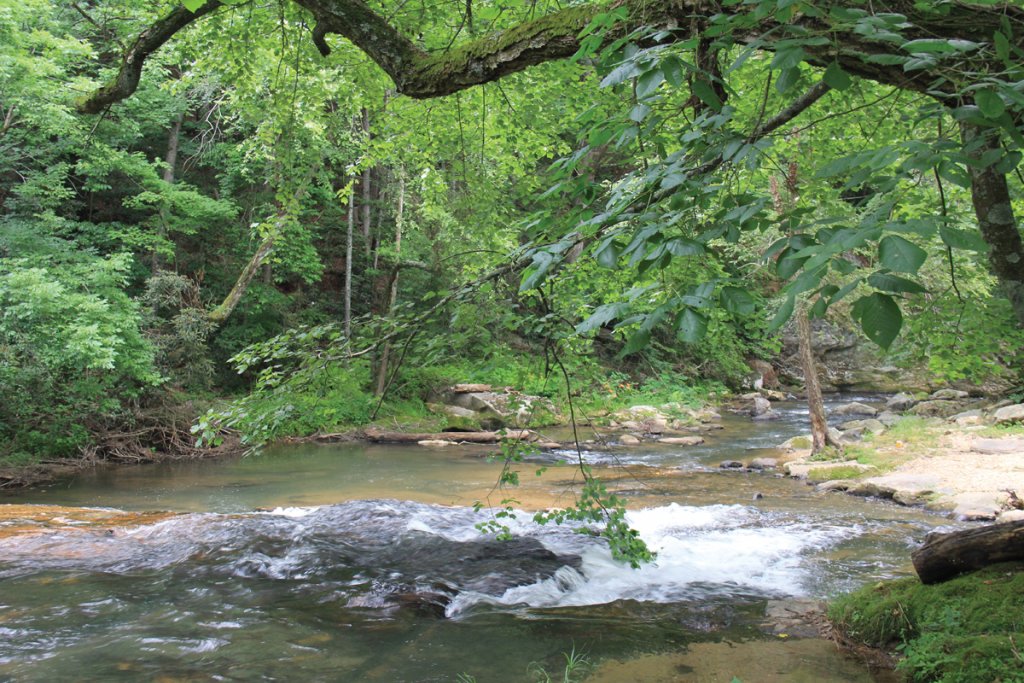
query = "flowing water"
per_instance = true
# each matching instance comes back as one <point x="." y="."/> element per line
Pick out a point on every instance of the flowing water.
<point x="365" y="563"/>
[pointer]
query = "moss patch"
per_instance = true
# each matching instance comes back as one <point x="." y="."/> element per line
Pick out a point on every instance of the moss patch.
<point x="826" y="473"/>
<point x="967" y="630"/>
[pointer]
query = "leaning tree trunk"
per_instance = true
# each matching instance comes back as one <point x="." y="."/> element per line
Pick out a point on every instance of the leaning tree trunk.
<point x="171" y="161"/>
<point x="990" y="195"/>
<point x="944" y="556"/>
<point x="815" y="403"/>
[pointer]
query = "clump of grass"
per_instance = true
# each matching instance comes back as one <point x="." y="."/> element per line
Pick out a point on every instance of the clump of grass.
<point x="967" y="630"/>
<point x="998" y="431"/>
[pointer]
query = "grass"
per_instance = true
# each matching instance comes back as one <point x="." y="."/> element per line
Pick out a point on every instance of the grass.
<point x="828" y="473"/>
<point x="967" y="630"/>
<point x="1000" y="431"/>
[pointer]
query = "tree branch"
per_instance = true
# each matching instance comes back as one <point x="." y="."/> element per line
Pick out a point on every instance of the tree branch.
<point x="148" y="42"/>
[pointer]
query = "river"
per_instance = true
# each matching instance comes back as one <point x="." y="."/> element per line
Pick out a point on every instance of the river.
<point x="353" y="562"/>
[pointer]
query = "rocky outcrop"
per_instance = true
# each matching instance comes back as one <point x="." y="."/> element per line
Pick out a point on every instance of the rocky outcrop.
<point x="469" y="406"/>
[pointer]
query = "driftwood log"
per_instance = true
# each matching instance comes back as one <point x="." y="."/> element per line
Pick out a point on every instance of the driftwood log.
<point x="944" y="556"/>
<point x="471" y="437"/>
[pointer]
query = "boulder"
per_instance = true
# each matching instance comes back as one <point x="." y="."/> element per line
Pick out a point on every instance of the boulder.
<point x="682" y="440"/>
<point x="968" y="418"/>
<point x="731" y="465"/>
<point x="760" y="405"/>
<point x="937" y="408"/>
<point x="852" y="435"/>
<point x="1010" y="516"/>
<point x="977" y="507"/>
<point x="452" y="411"/>
<point x="767" y="415"/>
<point x="869" y="425"/>
<point x="707" y="415"/>
<point x="888" y="418"/>
<point x="834" y="485"/>
<point x="1008" y="414"/>
<point x="797" y="443"/>
<point x="901" y="402"/>
<point x="763" y="464"/>
<point x="998" y="446"/>
<point x="855" y="409"/>
<point x="906" y="489"/>
<point x="949" y="395"/>
<point x="628" y="440"/>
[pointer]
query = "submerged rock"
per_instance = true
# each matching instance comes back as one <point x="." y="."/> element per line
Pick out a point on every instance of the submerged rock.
<point x="730" y="465"/>
<point x="682" y="440"/>
<point x="628" y="440"/>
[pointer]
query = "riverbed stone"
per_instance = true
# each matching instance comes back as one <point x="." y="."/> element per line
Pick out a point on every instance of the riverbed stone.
<point x="901" y="402"/>
<point x="797" y="443"/>
<point x="794" y="617"/>
<point x="998" y="446"/>
<point x="834" y="485"/>
<point x="976" y="507"/>
<point x="852" y="435"/>
<point x="888" y="418"/>
<point x="1010" y="516"/>
<point x="937" y="408"/>
<point x="763" y="464"/>
<point x="629" y="440"/>
<point x="949" y="395"/>
<point x="766" y="416"/>
<point x="906" y="489"/>
<point x="731" y="465"/>
<point x="760" y="405"/>
<point x="1008" y="414"/>
<point x="799" y="469"/>
<point x="855" y="408"/>
<point x="969" y="417"/>
<point x="870" y="425"/>
<point x="682" y="440"/>
<point x="707" y="415"/>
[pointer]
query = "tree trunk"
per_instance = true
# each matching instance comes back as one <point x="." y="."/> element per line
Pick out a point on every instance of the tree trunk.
<point x="991" y="198"/>
<point x="944" y="556"/>
<point x="815" y="403"/>
<point x="348" y="261"/>
<point x="367" y="190"/>
<point x="382" y="371"/>
<point x="171" y="161"/>
<point x="218" y="315"/>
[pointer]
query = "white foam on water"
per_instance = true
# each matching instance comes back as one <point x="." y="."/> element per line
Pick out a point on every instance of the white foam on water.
<point x="724" y="549"/>
<point x="293" y="512"/>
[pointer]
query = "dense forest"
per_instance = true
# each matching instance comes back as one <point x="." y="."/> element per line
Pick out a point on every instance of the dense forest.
<point x="304" y="215"/>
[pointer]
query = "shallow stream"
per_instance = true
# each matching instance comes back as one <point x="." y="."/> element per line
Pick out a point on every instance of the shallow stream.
<point x="364" y="563"/>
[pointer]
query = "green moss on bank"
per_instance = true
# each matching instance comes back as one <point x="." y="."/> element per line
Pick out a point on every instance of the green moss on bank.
<point x="967" y="630"/>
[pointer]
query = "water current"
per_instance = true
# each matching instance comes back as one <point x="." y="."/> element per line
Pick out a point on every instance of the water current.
<point x="364" y="563"/>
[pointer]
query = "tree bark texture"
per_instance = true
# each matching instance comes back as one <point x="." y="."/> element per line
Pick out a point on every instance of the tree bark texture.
<point x="420" y="74"/>
<point x="385" y="356"/>
<point x="348" y="261"/>
<point x="990" y="196"/>
<point x="945" y="556"/>
<point x="815" y="402"/>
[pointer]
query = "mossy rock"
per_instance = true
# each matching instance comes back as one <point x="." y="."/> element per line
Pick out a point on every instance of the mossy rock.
<point x="967" y="630"/>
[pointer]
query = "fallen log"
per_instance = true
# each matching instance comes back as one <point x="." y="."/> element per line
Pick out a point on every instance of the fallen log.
<point x="380" y="436"/>
<point x="944" y="556"/>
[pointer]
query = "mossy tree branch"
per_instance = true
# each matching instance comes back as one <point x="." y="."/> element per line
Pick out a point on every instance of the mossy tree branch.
<point x="419" y="74"/>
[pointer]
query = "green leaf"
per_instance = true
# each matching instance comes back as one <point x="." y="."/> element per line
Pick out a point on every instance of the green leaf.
<point x="706" y="94"/>
<point x="962" y="239"/>
<point x="898" y="254"/>
<point x="636" y="342"/>
<point x="1002" y="45"/>
<point x="929" y="45"/>
<point x="887" y="282"/>
<point x="784" y="313"/>
<point x="692" y="326"/>
<point x="737" y="300"/>
<point x="193" y="5"/>
<point x="990" y="103"/>
<point x="608" y="255"/>
<point x="836" y="78"/>
<point x="879" y="317"/>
